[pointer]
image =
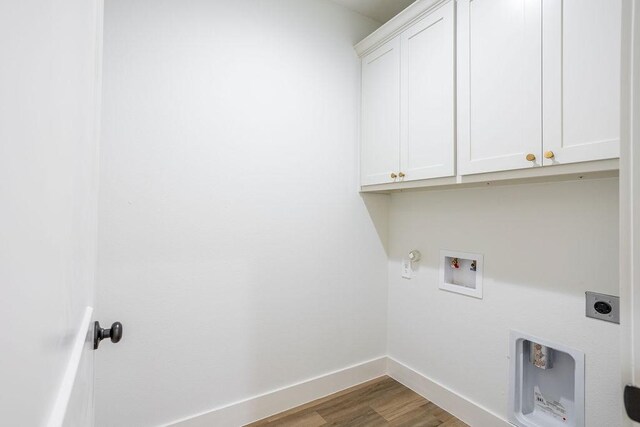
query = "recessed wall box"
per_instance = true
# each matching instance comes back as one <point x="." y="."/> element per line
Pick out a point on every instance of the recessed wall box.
<point x="541" y="393"/>
<point x="461" y="272"/>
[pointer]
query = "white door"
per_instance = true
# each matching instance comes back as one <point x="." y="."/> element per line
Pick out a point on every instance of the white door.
<point x="581" y="75"/>
<point x="49" y="92"/>
<point x="499" y="85"/>
<point x="427" y="120"/>
<point x="380" y="139"/>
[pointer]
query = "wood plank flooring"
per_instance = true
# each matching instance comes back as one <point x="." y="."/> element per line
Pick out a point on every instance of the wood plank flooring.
<point x="380" y="402"/>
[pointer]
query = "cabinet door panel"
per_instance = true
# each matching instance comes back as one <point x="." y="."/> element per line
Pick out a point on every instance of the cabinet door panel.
<point x="380" y="143"/>
<point x="499" y="84"/>
<point x="427" y="144"/>
<point x="581" y="75"/>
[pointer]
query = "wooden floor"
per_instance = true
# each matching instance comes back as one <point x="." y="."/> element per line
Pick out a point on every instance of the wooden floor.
<point x="381" y="402"/>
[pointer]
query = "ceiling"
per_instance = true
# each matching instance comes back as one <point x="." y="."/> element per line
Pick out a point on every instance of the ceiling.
<point x="379" y="10"/>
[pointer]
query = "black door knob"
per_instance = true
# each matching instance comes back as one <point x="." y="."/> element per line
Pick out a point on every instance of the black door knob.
<point x="114" y="333"/>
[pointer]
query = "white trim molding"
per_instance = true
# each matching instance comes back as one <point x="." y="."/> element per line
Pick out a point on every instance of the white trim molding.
<point x="630" y="200"/>
<point x="56" y="419"/>
<point x="415" y="12"/>
<point x="276" y="401"/>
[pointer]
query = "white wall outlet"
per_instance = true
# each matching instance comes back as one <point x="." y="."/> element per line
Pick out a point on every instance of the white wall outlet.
<point x="407" y="269"/>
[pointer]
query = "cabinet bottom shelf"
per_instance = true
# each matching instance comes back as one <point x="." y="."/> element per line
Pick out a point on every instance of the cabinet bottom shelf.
<point x="571" y="172"/>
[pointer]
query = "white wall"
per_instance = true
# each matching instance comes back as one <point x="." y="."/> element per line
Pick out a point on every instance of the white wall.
<point x="48" y="201"/>
<point x="544" y="245"/>
<point x="233" y="244"/>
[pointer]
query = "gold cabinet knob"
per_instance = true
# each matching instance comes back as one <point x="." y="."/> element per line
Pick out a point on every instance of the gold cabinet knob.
<point x="531" y="157"/>
<point x="401" y="175"/>
<point x="393" y="175"/>
<point x="549" y="155"/>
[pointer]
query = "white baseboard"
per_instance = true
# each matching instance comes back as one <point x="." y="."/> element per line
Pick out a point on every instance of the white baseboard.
<point x="271" y="403"/>
<point x="276" y="401"/>
<point x="463" y="409"/>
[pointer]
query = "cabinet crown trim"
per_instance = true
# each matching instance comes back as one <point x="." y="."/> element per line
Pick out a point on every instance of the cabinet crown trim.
<point x="398" y="24"/>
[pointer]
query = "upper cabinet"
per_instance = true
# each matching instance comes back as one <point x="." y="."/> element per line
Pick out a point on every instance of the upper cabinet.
<point x="499" y="85"/>
<point x="408" y="103"/>
<point x="581" y="75"/>
<point x="470" y="90"/>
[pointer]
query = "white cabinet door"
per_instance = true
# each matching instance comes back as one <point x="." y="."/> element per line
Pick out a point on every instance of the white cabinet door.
<point x="499" y="85"/>
<point x="427" y="119"/>
<point x="581" y="75"/>
<point x="380" y="144"/>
